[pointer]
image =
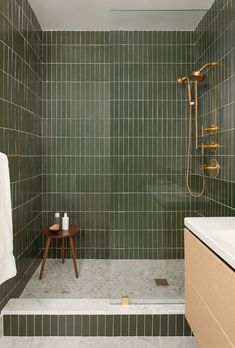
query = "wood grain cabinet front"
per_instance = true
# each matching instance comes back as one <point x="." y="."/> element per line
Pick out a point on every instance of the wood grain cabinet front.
<point x="209" y="295"/>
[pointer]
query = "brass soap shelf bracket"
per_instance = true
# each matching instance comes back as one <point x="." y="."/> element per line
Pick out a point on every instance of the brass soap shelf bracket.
<point x="213" y="167"/>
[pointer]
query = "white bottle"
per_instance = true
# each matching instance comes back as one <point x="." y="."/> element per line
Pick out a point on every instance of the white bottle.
<point x="57" y="218"/>
<point x="65" y="222"/>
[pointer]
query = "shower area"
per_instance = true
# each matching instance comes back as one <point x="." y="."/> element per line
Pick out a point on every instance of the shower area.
<point x="106" y="125"/>
<point x="114" y="155"/>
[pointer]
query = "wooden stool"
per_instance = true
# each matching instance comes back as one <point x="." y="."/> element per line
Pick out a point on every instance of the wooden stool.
<point x="73" y="229"/>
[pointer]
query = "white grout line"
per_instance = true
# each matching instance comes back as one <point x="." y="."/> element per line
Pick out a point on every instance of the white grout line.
<point x="29" y="201"/>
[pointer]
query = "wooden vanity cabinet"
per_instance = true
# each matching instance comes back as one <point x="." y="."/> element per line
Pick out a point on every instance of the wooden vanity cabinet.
<point x="209" y="295"/>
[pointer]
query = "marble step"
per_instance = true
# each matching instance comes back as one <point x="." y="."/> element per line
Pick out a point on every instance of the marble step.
<point x="98" y="342"/>
<point x="98" y="317"/>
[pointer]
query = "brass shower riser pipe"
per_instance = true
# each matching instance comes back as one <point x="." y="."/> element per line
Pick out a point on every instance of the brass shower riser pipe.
<point x="196" y="112"/>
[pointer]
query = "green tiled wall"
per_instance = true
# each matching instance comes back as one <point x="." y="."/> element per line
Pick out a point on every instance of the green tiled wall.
<point x="148" y="143"/>
<point x="96" y="325"/>
<point x="20" y="133"/>
<point x="215" y="42"/>
<point x="114" y="140"/>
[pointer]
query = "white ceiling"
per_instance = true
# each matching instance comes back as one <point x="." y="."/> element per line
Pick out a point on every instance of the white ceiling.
<point x="119" y="14"/>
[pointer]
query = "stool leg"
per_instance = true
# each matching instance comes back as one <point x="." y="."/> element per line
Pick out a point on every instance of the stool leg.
<point x="62" y="249"/>
<point x="45" y="256"/>
<point x="73" y="255"/>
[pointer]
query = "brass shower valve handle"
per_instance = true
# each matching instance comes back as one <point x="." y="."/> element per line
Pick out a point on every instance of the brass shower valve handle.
<point x="212" y="147"/>
<point x="212" y="168"/>
<point x="212" y="129"/>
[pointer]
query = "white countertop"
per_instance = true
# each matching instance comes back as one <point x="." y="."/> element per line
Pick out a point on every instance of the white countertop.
<point x="218" y="233"/>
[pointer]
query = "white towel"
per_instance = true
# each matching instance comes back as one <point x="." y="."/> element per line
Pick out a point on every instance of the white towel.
<point x="7" y="260"/>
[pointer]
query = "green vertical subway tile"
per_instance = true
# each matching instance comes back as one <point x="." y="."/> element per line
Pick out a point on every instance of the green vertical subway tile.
<point x="148" y="325"/>
<point x="132" y="324"/>
<point x="70" y="325"/>
<point x="164" y="325"/>
<point x="109" y="325"/>
<point x="124" y="325"/>
<point x="140" y="325"/>
<point x="93" y="325"/>
<point x="38" y="325"/>
<point x="101" y="325"/>
<point x="62" y="325"/>
<point x="85" y="325"/>
<point x="14" y="325"/>
<point x="6" y="325"/>
<point x="117" y="325"/>
<point x="22" y="325"/>
<point x="179" y="325"/>
<point x="78" y="325"/>
<point x="172" y="325"/>
<point x="30" y="325"/>
<point x="46" y="325"/>
<point x="156" y="325"/>
<point x="54" y="325"/>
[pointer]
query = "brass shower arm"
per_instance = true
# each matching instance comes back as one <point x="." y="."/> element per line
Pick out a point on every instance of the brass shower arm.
<point x="208" y="64"/>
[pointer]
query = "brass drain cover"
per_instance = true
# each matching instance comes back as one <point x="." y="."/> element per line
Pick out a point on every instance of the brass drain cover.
<point x="161" y="282"/>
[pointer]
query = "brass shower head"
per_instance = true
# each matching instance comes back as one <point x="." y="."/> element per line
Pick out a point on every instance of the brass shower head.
<point x="199" y="75"/>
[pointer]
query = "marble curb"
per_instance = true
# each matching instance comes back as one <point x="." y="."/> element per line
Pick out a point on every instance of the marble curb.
<point x="24" y="306"/>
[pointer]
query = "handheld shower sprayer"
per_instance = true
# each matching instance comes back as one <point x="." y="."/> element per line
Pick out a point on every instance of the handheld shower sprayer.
<point x="182" y="79"/>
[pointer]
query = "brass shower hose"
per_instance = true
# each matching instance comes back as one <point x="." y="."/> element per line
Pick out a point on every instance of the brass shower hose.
<point x="189" y="156"/>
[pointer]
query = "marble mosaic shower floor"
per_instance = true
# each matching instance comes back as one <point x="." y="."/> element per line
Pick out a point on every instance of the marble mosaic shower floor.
<point x="109" y="279"/>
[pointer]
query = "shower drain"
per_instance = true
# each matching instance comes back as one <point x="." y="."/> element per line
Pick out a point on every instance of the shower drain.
<point x="161" y="282"/>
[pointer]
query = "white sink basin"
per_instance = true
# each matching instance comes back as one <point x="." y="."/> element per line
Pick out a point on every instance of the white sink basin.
<point x="218" y="233"/>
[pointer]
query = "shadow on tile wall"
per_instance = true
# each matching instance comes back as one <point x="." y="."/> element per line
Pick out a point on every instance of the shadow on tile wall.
<point x="20" y="132"/>
<point x="215" y="41"/>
